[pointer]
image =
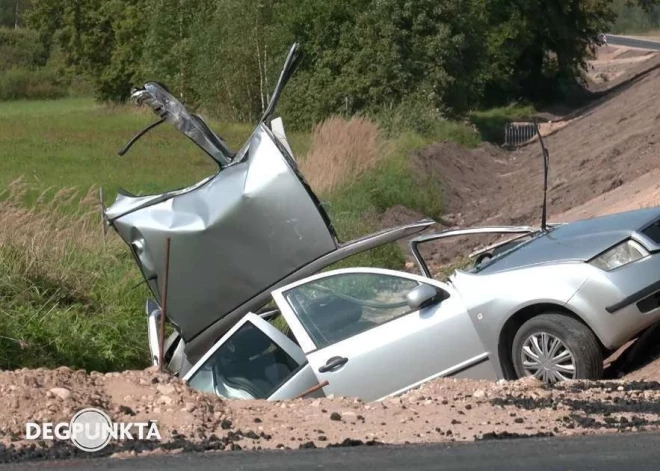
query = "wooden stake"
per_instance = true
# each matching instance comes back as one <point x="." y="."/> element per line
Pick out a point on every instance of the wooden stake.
<point x="163" y="311"/>
<point x="102" y="206"/>
<point x="322" y="384"/>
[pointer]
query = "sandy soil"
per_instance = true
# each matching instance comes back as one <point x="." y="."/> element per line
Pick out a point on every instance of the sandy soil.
<point x="605" y="160"/>
<point x="612" y="62"/>
<point x="439" y="411"/>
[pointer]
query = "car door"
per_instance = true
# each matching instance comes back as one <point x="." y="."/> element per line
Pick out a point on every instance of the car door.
<point x="360" y="335"/>
<point x="253" y="360"/>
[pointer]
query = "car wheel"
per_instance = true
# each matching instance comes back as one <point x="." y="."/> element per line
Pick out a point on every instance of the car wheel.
<point x="556" y="347"/>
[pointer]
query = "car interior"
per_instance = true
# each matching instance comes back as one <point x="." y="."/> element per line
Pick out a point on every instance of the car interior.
<point x="250" y="362"/>
<point x="329" y="319"/>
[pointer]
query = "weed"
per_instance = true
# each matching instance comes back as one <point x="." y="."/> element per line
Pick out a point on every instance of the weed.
<point x="342" y="151"/>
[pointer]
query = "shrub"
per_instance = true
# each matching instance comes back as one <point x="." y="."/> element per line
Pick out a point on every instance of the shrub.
<point x="35" y="84"/>
<point x="341" y="151"/>
<point x="20" y="48"/>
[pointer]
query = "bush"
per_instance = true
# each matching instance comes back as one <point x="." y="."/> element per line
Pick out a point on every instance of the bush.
<point x="20" y="48"/>
<point x="16" y="84"/>
<point x="341" y="151"/>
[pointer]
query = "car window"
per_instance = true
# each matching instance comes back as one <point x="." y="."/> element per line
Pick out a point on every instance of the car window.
<point x="248" y="365"/>
<point x="337" y="307"/>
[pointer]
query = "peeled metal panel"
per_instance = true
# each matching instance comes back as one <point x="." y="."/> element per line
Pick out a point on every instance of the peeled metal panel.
<point x="234" y="236"/>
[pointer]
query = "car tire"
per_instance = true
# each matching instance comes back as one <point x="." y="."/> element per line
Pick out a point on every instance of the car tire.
<point x="585" y="354"/>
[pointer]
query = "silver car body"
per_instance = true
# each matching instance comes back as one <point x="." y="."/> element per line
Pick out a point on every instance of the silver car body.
<point x="384" y="360"/>
<point x="467" y="331"/>
<point x="255" y="233"/>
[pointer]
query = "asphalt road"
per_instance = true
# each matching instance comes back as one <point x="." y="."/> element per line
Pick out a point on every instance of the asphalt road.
<point x="631" y="42"/>
<point x="613" y="452"/>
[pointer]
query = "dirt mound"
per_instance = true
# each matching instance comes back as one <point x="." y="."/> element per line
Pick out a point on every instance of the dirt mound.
<point x="43" y="395"/>
<point x="399" y="215"/>
<point x="445" y="410"/>
<point x="470" y="175"/>
<point x="616" y="145"/>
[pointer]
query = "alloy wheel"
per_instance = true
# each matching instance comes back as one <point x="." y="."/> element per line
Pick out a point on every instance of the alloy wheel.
<point x="547" y="358"/>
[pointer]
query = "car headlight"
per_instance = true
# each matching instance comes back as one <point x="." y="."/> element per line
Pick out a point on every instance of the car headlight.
<point x="620" y="255"/>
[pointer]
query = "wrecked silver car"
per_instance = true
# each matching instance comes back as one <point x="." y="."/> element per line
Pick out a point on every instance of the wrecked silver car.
<point x="550" y="302"/>
<point x="255" y="318"/>
<point x="235" y="236"/>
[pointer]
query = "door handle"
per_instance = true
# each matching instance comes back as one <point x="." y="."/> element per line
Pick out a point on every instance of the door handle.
<point x="332" y="364"/>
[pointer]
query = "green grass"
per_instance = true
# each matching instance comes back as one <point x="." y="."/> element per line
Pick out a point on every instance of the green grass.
<point x="74" y="143"/>
<point x="65" y="298"/>
<point x="490" y="123"/>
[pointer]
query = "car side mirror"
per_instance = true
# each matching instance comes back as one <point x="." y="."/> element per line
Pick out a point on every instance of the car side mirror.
<point x="424" y="296"/>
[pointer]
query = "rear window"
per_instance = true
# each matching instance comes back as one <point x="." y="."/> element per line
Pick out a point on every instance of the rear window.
<point x="249" y="365"/>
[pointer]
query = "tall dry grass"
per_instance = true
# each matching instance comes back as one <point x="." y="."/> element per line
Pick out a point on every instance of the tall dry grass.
<point x="65" y="289"/>
<point x="53" y="239"/>
<point x="341" y="151"/>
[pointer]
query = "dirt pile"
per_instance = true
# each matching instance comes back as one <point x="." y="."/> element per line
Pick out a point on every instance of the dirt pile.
<point x="616" y="63"/>
<point x="471" y="177"/>
<point x="614" y="145"/>
<point x="440" y="411"/>
<point x="606" y="160"/>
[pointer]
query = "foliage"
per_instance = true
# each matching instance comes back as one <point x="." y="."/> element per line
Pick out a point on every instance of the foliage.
<point x="20" y="48"/>
<point x="490" y="123"/>
<point x="12" y="13"/>
<point x="37" y="84"/>
<point x="65" y="297"/>
<point x="373" y="57"/>
<point x="633" y="18"/>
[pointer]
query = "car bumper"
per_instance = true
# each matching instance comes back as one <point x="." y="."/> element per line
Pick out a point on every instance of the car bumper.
<point x="619" y="304"/>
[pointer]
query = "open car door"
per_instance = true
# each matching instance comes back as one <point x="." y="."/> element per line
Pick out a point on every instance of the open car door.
<point x="371" y="333"/>
<point x="253" y="360"/>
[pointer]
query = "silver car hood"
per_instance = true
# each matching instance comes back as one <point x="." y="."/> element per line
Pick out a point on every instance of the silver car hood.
<point x="578" y="241"/>
<point x="233" y="235"/>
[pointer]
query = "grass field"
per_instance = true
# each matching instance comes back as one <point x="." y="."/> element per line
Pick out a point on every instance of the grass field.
<point x="74" y="143"/>
<point x="69" y="298"/>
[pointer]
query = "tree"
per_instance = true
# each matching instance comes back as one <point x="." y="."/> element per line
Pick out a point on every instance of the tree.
<point x="12" y="12"/>
<point x="362" y="56"/>
<point x="101" y="40"/>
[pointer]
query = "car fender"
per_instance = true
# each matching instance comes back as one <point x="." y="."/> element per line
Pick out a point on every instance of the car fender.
<point x="492" y="300"/>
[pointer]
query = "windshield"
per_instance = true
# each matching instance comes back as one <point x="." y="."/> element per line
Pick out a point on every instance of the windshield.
<point x="504" y="251"/>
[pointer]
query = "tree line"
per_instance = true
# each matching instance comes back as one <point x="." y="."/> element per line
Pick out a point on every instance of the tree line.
<point x="361" y="56"/>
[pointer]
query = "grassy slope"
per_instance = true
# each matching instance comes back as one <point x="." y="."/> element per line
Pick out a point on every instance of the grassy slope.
<point x="67" y="299"/>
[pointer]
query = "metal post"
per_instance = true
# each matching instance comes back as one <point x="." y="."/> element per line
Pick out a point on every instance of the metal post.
<point x="102" y="207"/>
<point x="163" y="311"/>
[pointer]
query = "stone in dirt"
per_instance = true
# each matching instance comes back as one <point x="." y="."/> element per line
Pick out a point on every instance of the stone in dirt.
<point x="62" y="393"/>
